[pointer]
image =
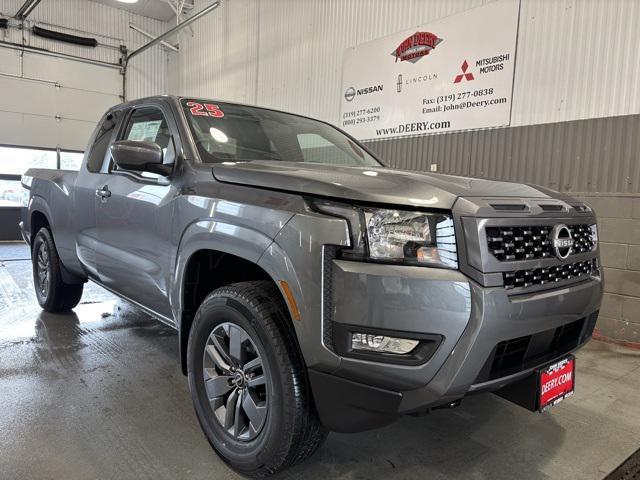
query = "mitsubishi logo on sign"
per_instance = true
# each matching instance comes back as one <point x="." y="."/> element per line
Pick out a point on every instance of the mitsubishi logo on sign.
<point x="468" y="76"/>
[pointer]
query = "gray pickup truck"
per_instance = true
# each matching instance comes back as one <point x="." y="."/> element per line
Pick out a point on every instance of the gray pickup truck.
<point x="313" y="289"/>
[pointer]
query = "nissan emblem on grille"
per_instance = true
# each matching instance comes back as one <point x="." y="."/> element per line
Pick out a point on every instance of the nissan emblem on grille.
<point x="562" y="241"/>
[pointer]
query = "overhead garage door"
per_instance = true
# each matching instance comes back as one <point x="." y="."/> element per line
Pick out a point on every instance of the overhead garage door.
<point x="54" y="102"/>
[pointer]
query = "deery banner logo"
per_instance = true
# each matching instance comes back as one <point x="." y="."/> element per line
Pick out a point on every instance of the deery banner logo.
<point x="416" y="46"/>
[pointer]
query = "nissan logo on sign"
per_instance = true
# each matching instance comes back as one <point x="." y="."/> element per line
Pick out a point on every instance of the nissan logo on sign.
<point x="349" y="94"/>
<point x="561" y="241"/>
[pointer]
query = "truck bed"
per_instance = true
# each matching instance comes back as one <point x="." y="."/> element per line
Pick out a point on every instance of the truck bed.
<point x="53" y="191"/>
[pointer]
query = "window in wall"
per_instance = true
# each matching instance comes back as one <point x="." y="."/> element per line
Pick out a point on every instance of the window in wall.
<point x="70" y="160"/>
<point x="16" y="161"/>
<point x="10" y="193"/>
<point x="13" y="163"/>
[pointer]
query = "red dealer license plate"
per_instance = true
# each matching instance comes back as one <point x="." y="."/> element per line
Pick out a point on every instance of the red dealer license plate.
<point x="556" y="382"/>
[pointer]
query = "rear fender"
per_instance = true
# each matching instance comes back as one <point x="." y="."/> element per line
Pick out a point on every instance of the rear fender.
<point x="39" y="205"/>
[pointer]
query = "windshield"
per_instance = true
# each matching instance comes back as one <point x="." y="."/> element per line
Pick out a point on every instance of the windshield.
<point x="234" y="133"/>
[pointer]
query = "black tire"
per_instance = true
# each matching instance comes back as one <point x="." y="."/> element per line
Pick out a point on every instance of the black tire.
<point x="291" y="431"/>
<point x="55" y="296"/>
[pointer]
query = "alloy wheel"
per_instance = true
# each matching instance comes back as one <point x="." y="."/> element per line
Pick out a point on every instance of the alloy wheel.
<point x="235" y="381"/>
<point x="42" y="269"/>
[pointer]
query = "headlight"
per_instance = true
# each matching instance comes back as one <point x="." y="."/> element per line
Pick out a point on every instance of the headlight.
<point x="411" y="237"/>
<point x="399" y="236"/>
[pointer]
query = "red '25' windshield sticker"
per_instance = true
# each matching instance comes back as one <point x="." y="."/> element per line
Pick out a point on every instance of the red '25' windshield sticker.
<point x="205" y="110"/>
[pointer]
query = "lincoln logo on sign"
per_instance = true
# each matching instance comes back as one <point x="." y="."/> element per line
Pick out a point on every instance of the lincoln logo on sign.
<point x="468" y="76"/>
<point x="416" y="46"/>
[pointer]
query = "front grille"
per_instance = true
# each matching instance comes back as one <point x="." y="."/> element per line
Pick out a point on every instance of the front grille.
<point x="542" y="276"/>
<point x="518" y="354"/>
<point x="529" y="243"/>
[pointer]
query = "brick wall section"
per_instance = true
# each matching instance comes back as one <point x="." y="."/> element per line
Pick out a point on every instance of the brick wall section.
<point x="619" y="237"/>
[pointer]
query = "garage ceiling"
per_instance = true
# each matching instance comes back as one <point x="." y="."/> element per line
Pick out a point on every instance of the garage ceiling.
<point x="158" y="9"/>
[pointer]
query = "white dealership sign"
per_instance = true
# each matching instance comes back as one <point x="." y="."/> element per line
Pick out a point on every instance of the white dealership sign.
<point x="452" y="74"/>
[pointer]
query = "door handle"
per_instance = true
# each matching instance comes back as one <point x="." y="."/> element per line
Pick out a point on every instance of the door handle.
<point x="103" y="193"/>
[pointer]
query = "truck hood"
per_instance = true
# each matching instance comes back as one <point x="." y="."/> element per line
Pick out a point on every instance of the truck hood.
<point x="368" y="184"/>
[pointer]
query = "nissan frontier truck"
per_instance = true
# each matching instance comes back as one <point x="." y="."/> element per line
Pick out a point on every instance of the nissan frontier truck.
<point x="314" y="289"/>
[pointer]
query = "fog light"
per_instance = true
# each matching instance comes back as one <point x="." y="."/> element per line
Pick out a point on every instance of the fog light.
<point x="382" y="344"/>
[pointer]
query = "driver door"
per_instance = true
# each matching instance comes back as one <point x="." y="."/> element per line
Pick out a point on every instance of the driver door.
<point x="134" y="218"/>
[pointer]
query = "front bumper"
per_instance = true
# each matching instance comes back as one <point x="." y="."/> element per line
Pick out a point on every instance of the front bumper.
<point x="471" y="320"/>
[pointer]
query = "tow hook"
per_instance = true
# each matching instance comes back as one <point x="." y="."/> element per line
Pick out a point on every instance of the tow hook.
<point x="422" y="413"/>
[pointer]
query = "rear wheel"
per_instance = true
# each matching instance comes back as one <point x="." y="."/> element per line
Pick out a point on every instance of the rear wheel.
<point x="52" y="293"/>
<point x="248" y="381"/>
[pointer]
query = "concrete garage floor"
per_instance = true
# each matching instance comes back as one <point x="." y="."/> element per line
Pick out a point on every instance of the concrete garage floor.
<point x="98" y="394"/>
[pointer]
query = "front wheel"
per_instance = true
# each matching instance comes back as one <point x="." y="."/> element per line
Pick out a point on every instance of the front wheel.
<point x="248" y="381"/>
<point x="53" y="294"/>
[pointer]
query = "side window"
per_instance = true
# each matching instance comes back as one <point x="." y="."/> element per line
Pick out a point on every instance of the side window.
<point x="101" y="142"/>
<point x="148" y="124"/>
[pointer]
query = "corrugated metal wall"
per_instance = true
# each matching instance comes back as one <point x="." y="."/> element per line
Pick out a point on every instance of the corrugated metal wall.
<point x="595" y="155"/>
<point x="220" y="58"/>
<point x="147" y="73"/>
<point x="576" y="59"/>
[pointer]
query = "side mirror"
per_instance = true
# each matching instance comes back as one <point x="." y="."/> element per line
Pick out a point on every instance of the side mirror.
<point x="140" y="156"/>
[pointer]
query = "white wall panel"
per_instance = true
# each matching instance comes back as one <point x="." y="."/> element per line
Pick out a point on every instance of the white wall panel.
<point x="9" y="61"/>
<point x="219" y="60"/>
<point x="110" y="26"/>
<point x="71" y="74"/>
<point x="39" y="113"/>
<point x="576" y="58"/>
<point x="20" y="128"/>
<point x="51" y="95"/>
<point x="147" y="73"/>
